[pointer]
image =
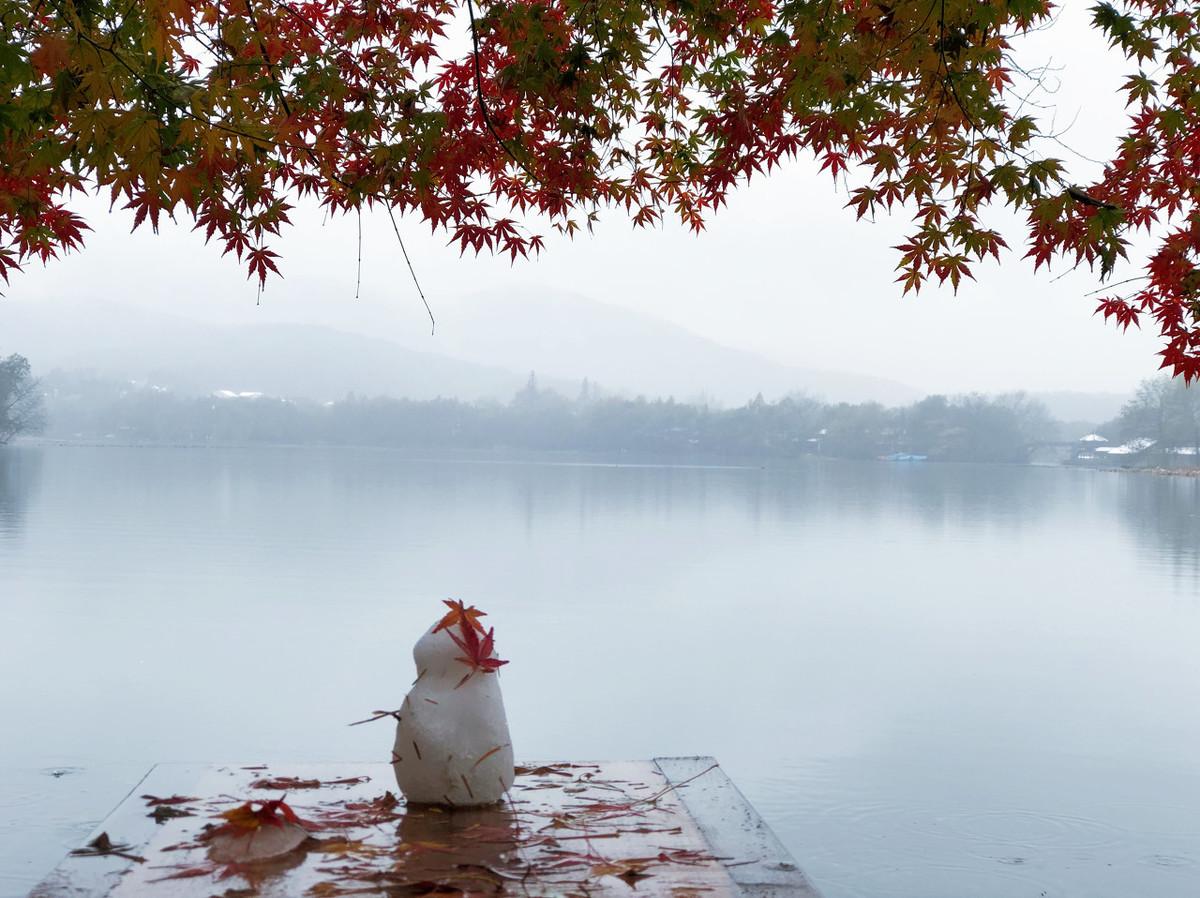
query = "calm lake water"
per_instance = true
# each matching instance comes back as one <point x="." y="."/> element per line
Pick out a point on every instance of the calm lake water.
<point x="935" y="681"/>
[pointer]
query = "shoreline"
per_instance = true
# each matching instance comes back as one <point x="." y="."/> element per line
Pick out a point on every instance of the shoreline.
<point x="1157" y="471"/>
<point x="618" y="457"/>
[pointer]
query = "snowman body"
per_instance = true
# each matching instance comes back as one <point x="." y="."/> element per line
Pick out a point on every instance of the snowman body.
<point x="452" y="744"/>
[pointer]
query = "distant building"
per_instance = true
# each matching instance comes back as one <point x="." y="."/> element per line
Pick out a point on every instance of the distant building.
<point x="230" y="394"/>
<point x="1133" y="447"/>
<point x="1126" y="454"/>
<point x="1097" y="450"/>
<point x="1085" y="451"/>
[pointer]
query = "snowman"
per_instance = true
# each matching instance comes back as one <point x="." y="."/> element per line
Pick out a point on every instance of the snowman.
<point x="452" y="745"/>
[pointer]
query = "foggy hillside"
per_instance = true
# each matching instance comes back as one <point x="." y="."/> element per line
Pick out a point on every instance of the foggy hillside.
<point x="566" y="335"/>
<point x="484" y="347"/>
<point x="123" y="342"/>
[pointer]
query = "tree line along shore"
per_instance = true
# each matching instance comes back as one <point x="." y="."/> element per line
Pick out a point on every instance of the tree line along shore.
<point x="1158" y="428"/>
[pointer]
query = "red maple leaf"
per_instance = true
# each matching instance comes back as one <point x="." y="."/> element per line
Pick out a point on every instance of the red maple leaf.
<point x="254" y="815"/>
<point x="477" y="654"/>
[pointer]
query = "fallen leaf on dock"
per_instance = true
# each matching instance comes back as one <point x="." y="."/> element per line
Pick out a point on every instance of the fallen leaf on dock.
<point x="163" y="813"/>
<point x="630" y="872"/>
<point x="290" y="783"/>
<point x="103" y="846"/>
<point x="285" y="783"/>
<point x="348" y="847"/>
<point x="187" y="873"/>
<point x="384" y="809"/>
<point x="154" y="801"/>
<point x="544" y="770"/>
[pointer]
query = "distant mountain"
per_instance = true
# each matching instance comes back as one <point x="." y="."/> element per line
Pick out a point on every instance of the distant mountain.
<point x="292" y="360"/>
<point x="569" y="336"/>
<point x="485" y="346"/>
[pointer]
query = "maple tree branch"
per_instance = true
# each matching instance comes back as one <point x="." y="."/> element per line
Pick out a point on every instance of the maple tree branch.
<point x="272" y="73"/>
<point x="33" y="14"/>
<point x="1107" y="287"/>
<point x="77" y="27"/>
<point x="949" y="80"/>
<point x="307" y="150"/>
<point x="483" y="110"/>
<point x="1086" y="199"/>
<point x="316" y="32"/>
<point x="888" y="51"/>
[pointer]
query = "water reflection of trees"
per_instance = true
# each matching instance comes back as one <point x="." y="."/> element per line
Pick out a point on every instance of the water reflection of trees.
<point x="581" y="493"/>
<point x="1163" y="512"/>
<point x="20" y="473"/>
<point x="933" y="495"/>
<point x="809" y="490"/>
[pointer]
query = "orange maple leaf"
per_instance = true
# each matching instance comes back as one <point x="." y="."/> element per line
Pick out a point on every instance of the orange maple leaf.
<point x="459" y="615"/>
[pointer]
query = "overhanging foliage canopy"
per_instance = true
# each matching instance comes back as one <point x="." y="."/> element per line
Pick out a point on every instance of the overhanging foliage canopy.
<point x="227" y="110"/>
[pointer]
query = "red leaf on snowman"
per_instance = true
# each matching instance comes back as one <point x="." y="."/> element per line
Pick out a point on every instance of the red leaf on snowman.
<point x="477" y="653"/>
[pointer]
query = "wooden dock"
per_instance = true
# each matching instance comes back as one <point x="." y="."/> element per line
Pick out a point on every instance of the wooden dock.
<point x="671" y="827"/>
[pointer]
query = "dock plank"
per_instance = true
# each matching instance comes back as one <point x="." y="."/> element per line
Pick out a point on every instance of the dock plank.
<point x="733" y="829"/>
<point x="605" y="830"/>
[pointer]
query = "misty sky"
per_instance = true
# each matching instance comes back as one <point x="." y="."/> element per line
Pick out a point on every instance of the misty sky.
<point x="785" y="271"/>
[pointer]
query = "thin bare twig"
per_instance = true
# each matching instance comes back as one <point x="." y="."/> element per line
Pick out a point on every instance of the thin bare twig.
<point x="416" y="283"/>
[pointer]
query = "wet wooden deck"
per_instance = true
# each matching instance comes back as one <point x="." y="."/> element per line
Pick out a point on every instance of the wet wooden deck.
<point x="672" y="827"/>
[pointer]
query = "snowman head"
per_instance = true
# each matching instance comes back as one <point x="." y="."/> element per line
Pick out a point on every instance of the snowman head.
<point x="457" y="645"/>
